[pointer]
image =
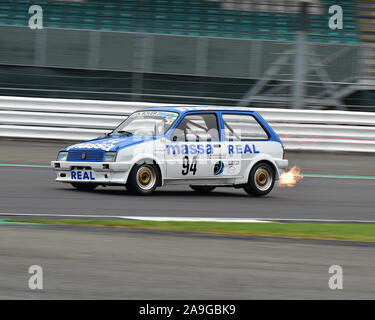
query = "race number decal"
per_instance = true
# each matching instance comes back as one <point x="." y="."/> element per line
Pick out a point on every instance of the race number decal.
<point x="187" y="167"/>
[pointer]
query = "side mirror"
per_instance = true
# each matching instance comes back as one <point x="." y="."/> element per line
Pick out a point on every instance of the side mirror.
<point x="174" y="138"/>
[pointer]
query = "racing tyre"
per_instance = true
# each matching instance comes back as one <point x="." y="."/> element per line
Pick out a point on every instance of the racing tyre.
<point x="261" y="180"/>
<point x="143" y="179"/>
<point x="202" y="189"/>
<point x="84" y="186"/>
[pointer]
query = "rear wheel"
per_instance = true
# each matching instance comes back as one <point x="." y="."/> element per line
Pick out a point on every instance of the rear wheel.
<point x="143" y="179"/>
<point x="261" y="180"/>
<point x="84" y="186"/>
<point x="203" y="189"/>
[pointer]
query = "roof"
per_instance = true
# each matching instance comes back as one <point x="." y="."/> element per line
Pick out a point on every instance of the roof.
<point x="181" y="109"/>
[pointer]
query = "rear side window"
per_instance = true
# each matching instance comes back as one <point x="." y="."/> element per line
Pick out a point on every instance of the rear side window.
<point x="240" y="127"/>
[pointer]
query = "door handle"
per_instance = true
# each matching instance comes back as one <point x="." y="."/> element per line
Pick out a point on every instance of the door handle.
<point x="217" y="145"/>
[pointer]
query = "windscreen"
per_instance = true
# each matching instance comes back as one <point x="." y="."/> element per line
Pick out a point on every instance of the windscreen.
<point x="147" y="123"/>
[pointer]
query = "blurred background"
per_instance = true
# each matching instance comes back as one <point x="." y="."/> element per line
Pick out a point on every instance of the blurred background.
<point x="269" y="53"/>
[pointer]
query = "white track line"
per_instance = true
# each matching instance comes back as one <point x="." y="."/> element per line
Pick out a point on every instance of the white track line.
<point x="191" y="219"/>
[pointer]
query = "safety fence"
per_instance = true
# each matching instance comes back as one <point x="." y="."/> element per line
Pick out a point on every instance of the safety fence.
<point x="69" y="119"/>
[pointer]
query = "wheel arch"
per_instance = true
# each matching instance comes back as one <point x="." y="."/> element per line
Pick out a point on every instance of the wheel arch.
<point x="267" y="160"/>
<point x="149" y="160"/>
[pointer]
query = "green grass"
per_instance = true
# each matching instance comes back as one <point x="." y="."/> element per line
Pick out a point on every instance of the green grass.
<point x="354" y="232"/>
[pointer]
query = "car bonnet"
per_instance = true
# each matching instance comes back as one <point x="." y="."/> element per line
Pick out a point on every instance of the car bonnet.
<point x="113" y="143"/>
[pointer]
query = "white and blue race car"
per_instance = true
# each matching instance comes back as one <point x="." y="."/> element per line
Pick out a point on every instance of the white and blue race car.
<point x="203" y="147"/>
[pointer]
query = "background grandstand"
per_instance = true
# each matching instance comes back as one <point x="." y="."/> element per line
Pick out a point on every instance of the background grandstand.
<point x="182" y="51"/>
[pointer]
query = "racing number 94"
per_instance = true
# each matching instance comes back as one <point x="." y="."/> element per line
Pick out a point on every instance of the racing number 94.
<point x="187" y="167"/>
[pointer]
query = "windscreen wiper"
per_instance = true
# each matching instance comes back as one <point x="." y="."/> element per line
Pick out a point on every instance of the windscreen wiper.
<point x="124" y="132"/>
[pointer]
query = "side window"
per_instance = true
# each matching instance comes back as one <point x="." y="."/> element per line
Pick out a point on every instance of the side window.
<point x="197" y="127"/>
<point x="239" y="127"/>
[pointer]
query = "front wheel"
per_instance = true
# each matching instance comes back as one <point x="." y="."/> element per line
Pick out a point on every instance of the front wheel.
<point x="84" y="186"/>
<point x="202" y="189"/>
<point x="261" y="180"/>
<point x="143" y="179"/>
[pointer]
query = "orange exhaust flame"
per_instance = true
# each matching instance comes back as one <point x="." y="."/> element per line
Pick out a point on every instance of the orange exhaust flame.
<point x="290" y="178"/>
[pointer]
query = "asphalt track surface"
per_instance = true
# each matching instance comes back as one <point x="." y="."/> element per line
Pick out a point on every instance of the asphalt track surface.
<point x="118" y="263"/>
<point x="108" y="263"/>
<point x="33" y="191"/>
<point x="29" y="190"/>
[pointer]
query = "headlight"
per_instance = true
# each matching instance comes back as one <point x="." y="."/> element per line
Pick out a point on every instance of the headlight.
<point x="109" y="157"/>
<point x="62" y="156"/>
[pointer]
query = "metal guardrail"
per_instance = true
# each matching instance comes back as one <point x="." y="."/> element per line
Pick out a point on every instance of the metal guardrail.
<point x="68" y="119"/>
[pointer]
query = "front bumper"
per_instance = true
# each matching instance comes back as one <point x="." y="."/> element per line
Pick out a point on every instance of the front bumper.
<point x="105" y="173"/>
